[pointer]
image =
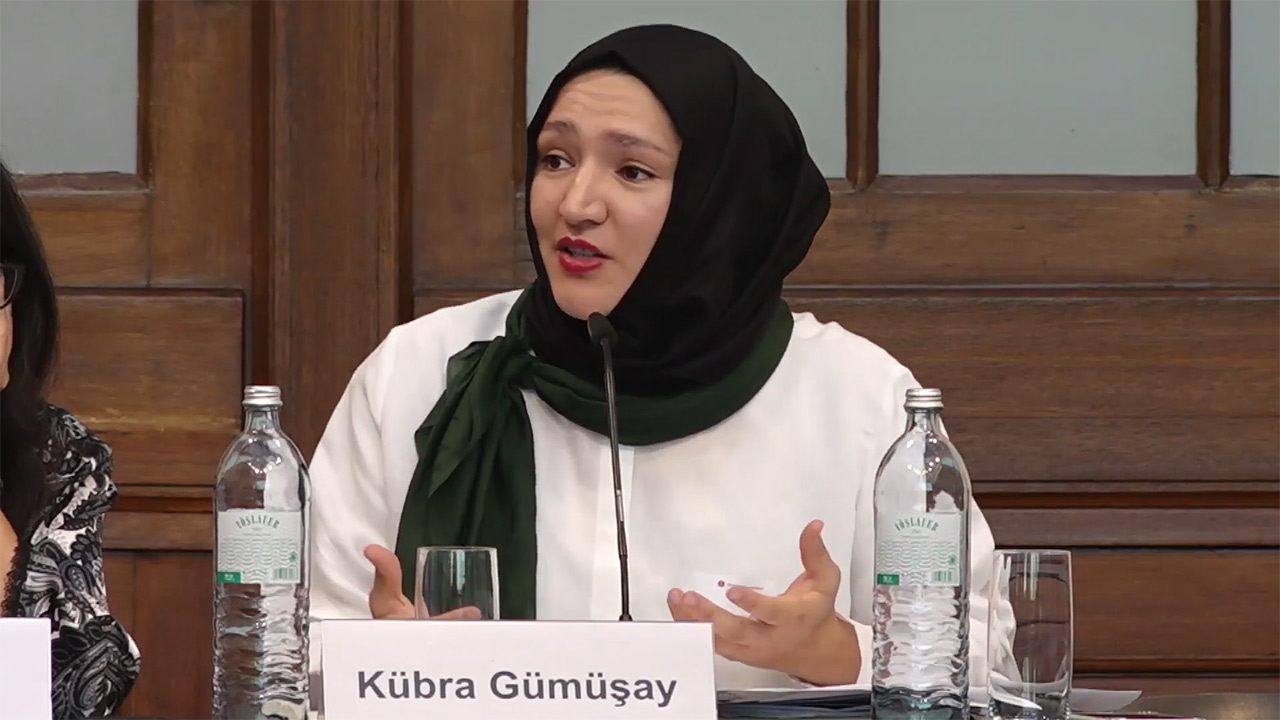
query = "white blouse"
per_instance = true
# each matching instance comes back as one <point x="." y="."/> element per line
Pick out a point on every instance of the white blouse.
<point x="729" y="501"/>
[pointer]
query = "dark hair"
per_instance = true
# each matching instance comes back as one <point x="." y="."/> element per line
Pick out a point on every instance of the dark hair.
<point x="24" y="429"/>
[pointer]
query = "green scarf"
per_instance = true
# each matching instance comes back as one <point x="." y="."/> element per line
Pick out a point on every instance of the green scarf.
<point x="474" y="482"/>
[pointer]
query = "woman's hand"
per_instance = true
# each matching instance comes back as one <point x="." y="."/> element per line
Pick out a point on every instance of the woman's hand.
<point x="387" y="600"/>
<point x="797" y="632"/>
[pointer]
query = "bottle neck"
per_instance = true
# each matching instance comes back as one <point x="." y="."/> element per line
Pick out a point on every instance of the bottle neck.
<point x="926" y="420"/>
<point x="262" y="419"/>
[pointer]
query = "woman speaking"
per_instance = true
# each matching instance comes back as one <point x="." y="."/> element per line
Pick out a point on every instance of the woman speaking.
<point x="669" y="188"/>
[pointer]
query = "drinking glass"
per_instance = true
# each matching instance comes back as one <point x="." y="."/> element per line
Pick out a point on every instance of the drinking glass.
<point x="1030" y="638"/>
<point x="456" y="583"/>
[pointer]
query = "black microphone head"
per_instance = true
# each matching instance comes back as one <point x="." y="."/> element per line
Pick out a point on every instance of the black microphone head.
<point x="601" y="330"/>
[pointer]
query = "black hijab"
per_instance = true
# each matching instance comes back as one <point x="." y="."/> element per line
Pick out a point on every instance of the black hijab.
<point x="701" y="330"/>
<point x="745" y="206"/>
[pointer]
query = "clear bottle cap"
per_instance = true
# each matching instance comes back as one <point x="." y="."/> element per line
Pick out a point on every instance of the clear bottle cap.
<point x="924" y="399"/>
<point x="262" y="396"/>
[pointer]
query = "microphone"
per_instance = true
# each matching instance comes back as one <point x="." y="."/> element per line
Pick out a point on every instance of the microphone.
<point x="602" y="333"/>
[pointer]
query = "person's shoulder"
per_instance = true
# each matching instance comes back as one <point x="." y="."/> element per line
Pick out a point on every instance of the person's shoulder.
<point x="78" y="462"/>
<point x="831" y="346"/>
<point x="413" y="357"/>
<point x="72" y="448"/>
<point x="442" y="332"/>
<point x="480" y="319"/>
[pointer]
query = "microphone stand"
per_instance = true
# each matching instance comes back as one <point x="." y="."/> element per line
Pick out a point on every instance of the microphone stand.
<point x="603" y="334"/>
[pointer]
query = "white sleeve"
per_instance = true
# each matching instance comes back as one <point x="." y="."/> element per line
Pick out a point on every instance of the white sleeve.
<point x="982" y="546"/>
<point x="348" y="499"/>
<point x="862" y="570"/>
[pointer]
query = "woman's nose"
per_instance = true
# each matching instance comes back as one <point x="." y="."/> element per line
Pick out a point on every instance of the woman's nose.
<point x="583" y="202"/>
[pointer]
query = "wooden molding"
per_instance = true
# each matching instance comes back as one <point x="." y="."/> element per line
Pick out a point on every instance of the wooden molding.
<point x="1164" y="665"/>
<point x="334" y="215"/>
<point x="465" y="150"/>
<point x="197" y="141"/>
<point x="862" y="93"/>
<point x="519" y="99"/>
<point x="158" y="531"/>
<point x="1213" y="91"/>
<point x="1102" y="496"/>
<point x="146" y="61"/>
<point x="987" y="184"/>
<point x="1034" y="237"/>
<point x="75" y="184"/>
<point x="1189" y="527"/>
<point x="93" y="236"/>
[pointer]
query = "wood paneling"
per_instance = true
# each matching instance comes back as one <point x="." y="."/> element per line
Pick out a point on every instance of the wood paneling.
<point x="156" y="375"/>
<point x="159" y="530"/>
<point x="199" y="139"/>
<point x="1159" y="685"/>
<point x="1006" y="236"/>
<point x="1135" y="527"/>
<point x="121" y="594"/>
<point x="862" y="95"/>
<point x="430" y="301"/>
<point x="335" y="226"/>
<point x="1213" y="91"/>
<point x="465" y="151"/>
<point x="93" y="237"/>
<point x="1139" y="449"/>
<point x="1088" y="386"/>
<point x="1105" y="355"/>
<point x="329" y="169"/>
<point x="1194" y="608"/>
<point x="173" y="616"/>
<point x="121" y="598"/>
<point x="167" y="451"/>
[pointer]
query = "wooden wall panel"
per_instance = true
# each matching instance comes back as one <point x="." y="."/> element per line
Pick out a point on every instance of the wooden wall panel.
<point x="336" y="248"/>
<point x="158" y="376"/>
<point x="1213" y="92"/>
<point x="464" y="151"/>
<point x="157" y="530"/>
<point x="93" y="237"/>
<point x="862" y="93"/>
<point x="1163" y="685"/>
<point x="1192" y="526"/>
<point x="1196" y="609"/>
<point x="1105" y="386"/>
<point x="975" y="231"/>
<point x="121" y="598"/>
<point x="200" y="142"/>
<point x="173" y="615"/>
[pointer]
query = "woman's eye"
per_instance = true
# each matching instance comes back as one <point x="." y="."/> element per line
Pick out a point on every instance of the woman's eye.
<point x="632" y="173"/>
<point x="554" y="162"/>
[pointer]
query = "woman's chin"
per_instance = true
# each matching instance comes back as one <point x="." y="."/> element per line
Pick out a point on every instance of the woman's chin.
<point x="580" y="303"/>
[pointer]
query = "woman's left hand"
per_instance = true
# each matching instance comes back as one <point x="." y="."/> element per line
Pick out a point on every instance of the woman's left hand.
<point x="797" y="632"/>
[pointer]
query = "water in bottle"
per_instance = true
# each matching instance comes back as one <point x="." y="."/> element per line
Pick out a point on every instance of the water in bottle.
<point x="262" y="504"/>
<point x="920" y="653"/>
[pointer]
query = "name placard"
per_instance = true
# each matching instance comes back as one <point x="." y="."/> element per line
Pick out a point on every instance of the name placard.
<point x="26" y="669"/>
<point x="546" y="670"/>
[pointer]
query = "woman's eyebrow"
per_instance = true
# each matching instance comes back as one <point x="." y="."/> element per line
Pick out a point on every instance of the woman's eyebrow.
<point x="616" y="137"/>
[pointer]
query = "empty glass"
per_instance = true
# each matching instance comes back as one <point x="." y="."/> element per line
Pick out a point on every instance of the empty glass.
<point x="456" y="583"/>
<point x="1030" y="638"/>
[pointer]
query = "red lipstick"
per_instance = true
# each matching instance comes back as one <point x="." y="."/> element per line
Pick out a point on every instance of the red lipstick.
<point x="579" y="257"/>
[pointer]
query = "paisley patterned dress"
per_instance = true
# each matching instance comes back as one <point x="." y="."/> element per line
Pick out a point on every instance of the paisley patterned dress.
<point x="59" y="576"/>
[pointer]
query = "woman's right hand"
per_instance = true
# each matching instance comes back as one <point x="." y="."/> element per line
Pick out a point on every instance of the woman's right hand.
<point x="387" y="600"/>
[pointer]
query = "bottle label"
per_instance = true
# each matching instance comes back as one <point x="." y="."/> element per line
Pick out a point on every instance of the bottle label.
<point x="262" y="547"/>
<point x="920" y="550"/>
